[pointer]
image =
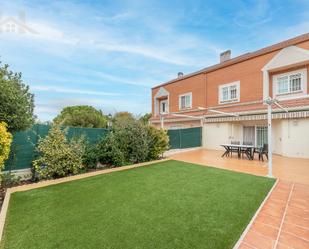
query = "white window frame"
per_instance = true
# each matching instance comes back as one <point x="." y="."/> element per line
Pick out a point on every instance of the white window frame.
<point x="166" y="105"/>
<point x="185" y="95"/>
<point x="290" y="93"/>
<point x="229" y="86"/>
<point x="256" y="126"/>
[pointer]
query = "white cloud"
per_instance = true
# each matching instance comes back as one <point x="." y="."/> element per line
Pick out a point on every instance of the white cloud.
<point x="72" y="91"/>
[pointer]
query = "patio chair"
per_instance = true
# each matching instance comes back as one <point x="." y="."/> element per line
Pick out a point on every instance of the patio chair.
<point x="244" y="150"/>
<point x="263" y="150"/>
<point x="235" y="149"/>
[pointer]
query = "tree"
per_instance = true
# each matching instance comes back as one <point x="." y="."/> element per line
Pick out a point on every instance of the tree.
<point x="145" y="118"/>
<point x="16" y="102"/>
<point x="81" y="116"/>
<point x="121" y="118"/>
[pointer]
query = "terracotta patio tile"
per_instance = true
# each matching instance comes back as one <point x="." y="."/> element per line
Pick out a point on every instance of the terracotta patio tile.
<point x="279" y="197"/>
<point x="296" y="220"/>
<point x="298" y="212"/>
<point x="278" y="213"/>
<point x="284" y="168"/>
<point x="275" y="206"/>
<point x="294" y="241"/>
<point x="301" y="195"/>
<point x="245" y="246"/>
<point x="296" y="231"/>
<point x="265" y="230"/>
<point x="258" y="241"/>
<point x="303" y="204"/>
<point x="277" y="202"/>
<point x="282" y="246"/>
<point x="302" y="187"/>
<point x="269" y="220"/>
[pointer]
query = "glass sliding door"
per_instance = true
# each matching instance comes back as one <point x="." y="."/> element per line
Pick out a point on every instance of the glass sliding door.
<point x="261" y="136"/>
<point x="249" y="135"/>
<point x="257" y="135"/>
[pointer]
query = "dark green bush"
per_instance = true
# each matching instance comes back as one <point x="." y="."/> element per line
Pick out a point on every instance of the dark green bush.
<point x="90" y="157"/>
<point x="128" y="143"/>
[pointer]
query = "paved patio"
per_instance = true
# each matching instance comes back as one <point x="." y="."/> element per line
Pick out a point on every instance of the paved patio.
<point x="283" y="220"/>
<point x="284" y="168"/>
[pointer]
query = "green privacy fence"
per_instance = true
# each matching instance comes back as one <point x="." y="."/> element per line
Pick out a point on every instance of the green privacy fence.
<point x="185" y="138"/>
<point x="23" y="146"/>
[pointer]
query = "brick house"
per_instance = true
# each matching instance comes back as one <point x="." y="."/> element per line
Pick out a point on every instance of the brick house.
<point x="239" y="86"/>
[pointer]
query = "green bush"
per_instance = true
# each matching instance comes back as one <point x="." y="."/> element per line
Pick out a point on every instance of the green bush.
<point x="58" y="157"/>
<point x="90" y="157"/>
<point x="128" y="143"/>
<point x="158" y="142"/>
<point x="111" y="152"/>
<point x="9" y="180"/>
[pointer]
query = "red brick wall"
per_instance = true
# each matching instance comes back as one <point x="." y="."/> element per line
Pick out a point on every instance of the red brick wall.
<point x="205" y="87"/>
<point x="195" y="84"/>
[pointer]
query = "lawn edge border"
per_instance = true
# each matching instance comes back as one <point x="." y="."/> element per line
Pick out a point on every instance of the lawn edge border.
<point x="46" y="183"/>
<point x="242" y="236"/>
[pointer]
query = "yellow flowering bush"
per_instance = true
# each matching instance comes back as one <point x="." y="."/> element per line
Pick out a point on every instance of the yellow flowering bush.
<point x="5" y="143"/>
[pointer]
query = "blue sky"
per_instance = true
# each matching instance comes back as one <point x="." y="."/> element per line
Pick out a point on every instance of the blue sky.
<point x="110" y="53"/>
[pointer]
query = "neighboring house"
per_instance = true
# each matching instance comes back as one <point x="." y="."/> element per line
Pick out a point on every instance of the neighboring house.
<point x="14" y="25"/>
<point x="239" y="86"/>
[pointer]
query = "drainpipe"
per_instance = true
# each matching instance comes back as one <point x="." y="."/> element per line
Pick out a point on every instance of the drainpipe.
<point x="162" y="121"/>
<point x="205" y="79"/>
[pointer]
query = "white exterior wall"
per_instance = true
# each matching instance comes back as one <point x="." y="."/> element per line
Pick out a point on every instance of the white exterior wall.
<point x="295" y="138"/>
<point x="215" y="134"/>
<point x="290" y="137"/>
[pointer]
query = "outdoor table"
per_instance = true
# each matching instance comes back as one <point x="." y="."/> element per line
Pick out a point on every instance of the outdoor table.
<point x="248" y="149"/>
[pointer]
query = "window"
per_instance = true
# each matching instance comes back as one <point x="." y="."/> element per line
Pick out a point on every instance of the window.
<point x="185" y="101"/>
<point x="288" y="83"/>
<point x="229" y="92"/>
<point x="225" y="93"/>
<point x="163" y="106"/>
<point x="257" y="135"/>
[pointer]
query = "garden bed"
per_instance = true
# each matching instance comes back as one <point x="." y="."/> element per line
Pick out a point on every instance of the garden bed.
<point x="169" y="204"/>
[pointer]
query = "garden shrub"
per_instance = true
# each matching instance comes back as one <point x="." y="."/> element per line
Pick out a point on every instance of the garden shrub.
<point x="90" y="157"/>
<point x="128" y="143"/>
<point x="158" y="142"/>
<point x="5" y="143"/>
<point x="110" y="150"/>
<point x="58" y="157"/>
<point x="9" y="179"/>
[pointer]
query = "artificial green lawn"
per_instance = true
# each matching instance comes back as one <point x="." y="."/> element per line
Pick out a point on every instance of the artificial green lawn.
<point x="165" y="205"/>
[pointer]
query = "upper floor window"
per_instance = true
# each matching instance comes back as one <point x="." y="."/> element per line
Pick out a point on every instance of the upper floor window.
<point x="164" y="106"/>
<point x="289" y="82"/>
<point x="185" y="101"/>
<point x="229" y="92"/>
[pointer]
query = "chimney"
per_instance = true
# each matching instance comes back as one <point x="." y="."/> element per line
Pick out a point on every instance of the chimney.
<point x="180" y="74"/>
<point x="22" y="16"/>
<point x="224" y="56"/>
